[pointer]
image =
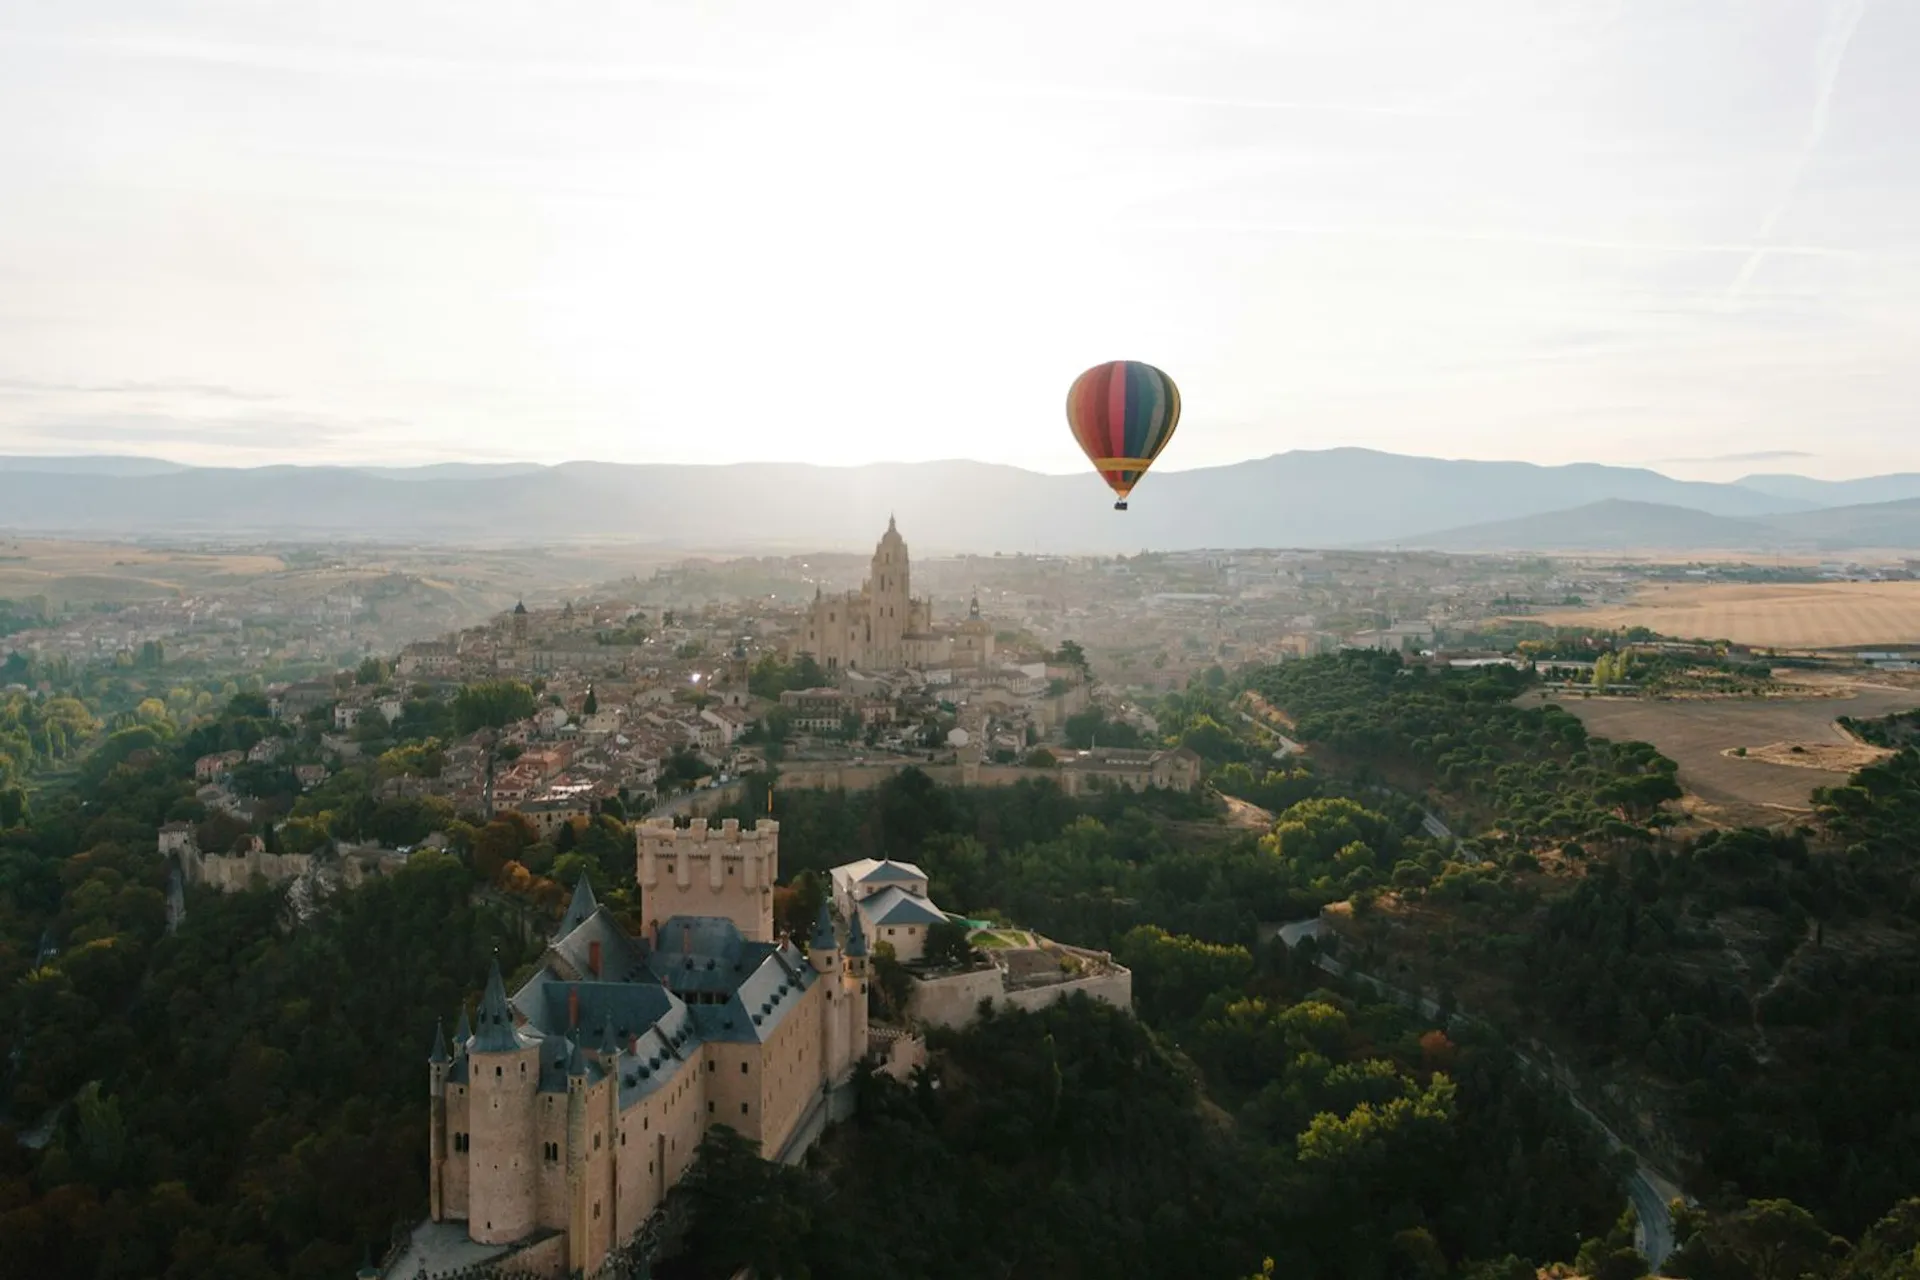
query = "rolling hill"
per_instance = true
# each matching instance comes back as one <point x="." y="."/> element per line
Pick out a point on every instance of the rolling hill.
<point x="1640" y="526"/>
<point x="1336" y="497"/>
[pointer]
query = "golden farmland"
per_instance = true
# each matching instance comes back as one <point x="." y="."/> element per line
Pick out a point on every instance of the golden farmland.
<point x="1813" y="615"/>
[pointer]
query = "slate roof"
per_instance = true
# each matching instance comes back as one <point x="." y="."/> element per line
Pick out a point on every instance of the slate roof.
<point x="495" y="1031"/>
<point x="897" y="906"/>
<point x="580" y="909"/>
<point x="872" y="871"/>
<point x="630" y="1023"/>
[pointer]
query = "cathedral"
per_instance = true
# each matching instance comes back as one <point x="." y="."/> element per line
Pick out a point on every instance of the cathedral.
<point x="881" y="627"/>
<point x="563" y="1114"/>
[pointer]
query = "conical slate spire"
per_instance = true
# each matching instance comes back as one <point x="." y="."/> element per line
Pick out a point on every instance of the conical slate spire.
<point x="856" y="936"/>
<point x="495" y="1033"/>
<point x="823" y="938"/>
<point x="464" y="1031"/>
<point x="607" y="1043"/>
<point x="576" y="1061"/>
<point x="582" y="908"/>
<point x="439" y="1054"/>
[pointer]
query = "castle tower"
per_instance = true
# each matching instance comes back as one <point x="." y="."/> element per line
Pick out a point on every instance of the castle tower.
<point x="438" y="1063"/>
<point x="856" y="988"/>
<point x="704" y="870"/>
<point x="503" y="1076"/>
<point x="519" y="626"/>
<point x="576" y="1154"/>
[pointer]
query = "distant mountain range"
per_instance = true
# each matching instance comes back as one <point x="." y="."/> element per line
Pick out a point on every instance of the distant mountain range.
<point x="1617" y="525"/>
<point x="1328" y="498"/>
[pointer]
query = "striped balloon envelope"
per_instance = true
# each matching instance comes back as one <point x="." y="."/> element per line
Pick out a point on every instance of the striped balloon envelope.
<point x="1123" y="413"/>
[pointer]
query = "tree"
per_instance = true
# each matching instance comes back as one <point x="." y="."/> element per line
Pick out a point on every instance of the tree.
<point x="949" y="944"/>
<point x="491" y="704"/>
<point x="592" y="705"/>
<point x="1767" y="1240"/>
<point x="1070" y="654"/>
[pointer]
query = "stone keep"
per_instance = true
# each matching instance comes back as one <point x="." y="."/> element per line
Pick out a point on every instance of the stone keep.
<point x="708" y="871"/>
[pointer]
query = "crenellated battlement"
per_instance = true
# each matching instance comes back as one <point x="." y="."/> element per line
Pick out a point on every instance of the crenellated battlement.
<point x="664" y="835"/>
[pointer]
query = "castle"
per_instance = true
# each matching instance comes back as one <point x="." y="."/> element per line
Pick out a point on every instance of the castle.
<point x="881" y="627"/>
<point x="563" y="1114"/>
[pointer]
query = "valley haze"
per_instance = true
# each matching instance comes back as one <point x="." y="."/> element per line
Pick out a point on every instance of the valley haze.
<point x="1326" y="498"/>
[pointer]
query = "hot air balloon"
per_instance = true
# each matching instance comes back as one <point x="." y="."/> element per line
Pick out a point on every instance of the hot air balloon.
<point x="1123" y="413"/>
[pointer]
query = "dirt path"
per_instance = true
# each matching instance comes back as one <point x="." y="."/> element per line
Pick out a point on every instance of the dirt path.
<point x="1248" y="817"/>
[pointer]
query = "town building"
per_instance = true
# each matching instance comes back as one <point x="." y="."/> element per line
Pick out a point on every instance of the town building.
<point x="563" y="1114"/>
<point x="890" y="900"/>
<point x="1135" y="770"/>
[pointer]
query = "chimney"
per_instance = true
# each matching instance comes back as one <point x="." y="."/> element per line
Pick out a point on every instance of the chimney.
<point x="593" y="957"/>
<point x="573" y="1007"/>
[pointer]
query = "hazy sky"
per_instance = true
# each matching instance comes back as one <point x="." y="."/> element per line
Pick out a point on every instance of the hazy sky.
<point x="1676" y="232"/>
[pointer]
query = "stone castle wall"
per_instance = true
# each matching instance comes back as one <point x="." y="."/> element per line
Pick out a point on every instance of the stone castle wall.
<point x="954" y="1001"/>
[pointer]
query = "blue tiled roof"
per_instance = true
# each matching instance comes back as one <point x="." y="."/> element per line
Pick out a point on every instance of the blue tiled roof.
<point x="495" y="1032"/>
<point x="897" y="906"/>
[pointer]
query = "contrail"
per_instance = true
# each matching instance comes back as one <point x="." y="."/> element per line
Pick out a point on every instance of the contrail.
<point x="1843" y="19"/>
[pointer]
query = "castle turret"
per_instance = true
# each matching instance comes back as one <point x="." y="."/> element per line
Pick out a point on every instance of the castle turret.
<point x="503" y="1075"/>
<point x="855" y="985"/>
<point x="856" y="946"/>
<point x="823" y="950"/>
<point x="463" y="1032"/>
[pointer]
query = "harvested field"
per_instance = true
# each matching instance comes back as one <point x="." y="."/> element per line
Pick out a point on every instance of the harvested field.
<point x="1828" y="757"/>
<point x="1723" y="789"/>
<point x="1812" y="615"/>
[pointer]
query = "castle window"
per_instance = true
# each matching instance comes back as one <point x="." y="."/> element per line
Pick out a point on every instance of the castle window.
<point x="498" y="1071"/>
<point x="743" y="1108"/>
<point x="743" y="1068"/>
<point x="551" y="1151"/>
<point x="596" y="1208"/>
<point x="709" y="1066"/>
<point x="596" y="1142"/>
<point x="709" y="1108"/>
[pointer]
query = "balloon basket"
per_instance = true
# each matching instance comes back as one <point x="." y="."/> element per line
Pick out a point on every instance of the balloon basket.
<point x="1119" y="506"/>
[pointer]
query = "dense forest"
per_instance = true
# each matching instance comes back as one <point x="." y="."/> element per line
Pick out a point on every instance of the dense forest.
<point x="1759" y="991"/>
<point x="243" y="1096"/>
